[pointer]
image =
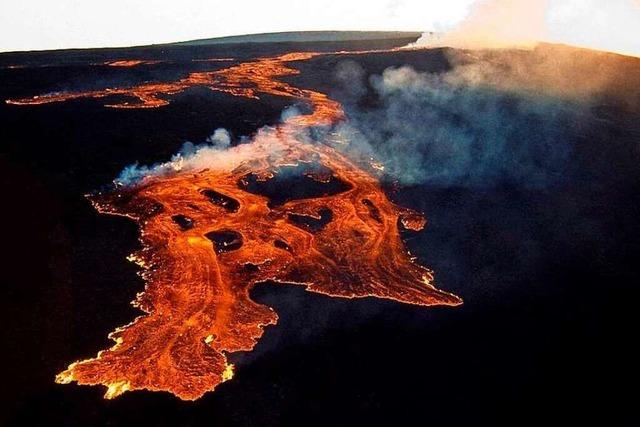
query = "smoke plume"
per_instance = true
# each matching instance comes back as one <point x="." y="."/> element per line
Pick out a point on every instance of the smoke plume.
<point x="505" y="118"/>
<point x="217" y="152"/>
<point x="609" y="26"/>
<point x="496" y="24"/>
<point x="494" y="118"/>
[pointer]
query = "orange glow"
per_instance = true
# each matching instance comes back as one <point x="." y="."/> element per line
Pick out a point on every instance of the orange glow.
<point x="207" y="240"/>
<point x="130" y="63"/>
<point x="247" y="80"/>
<point x="214" y="60"/>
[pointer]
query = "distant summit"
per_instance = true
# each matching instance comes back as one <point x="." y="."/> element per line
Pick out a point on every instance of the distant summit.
<point x="304" y="36"/>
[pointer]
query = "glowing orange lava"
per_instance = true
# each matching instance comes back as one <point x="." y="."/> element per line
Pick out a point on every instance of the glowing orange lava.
<point x="246" y="79"/>
<point x="130" y="63"/>
<point x="209" y="236"/>
<point x="214" y="60"/>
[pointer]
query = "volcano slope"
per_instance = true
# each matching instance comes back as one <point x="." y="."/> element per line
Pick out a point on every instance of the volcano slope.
<point x="548" y="273"/>
<point x="207" y="239"/>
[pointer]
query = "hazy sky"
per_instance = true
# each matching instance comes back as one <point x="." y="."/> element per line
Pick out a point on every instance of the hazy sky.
<point x="54" y="24"/>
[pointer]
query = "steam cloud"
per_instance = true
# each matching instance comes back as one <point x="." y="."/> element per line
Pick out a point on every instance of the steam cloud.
<point x="215" y="152"/>
<point x="488" y="121"/>
<point x="466" y="127"/>
<point x="608" y="26"/>
<point x="505" y="117"/>
<point x="495" y="24"/>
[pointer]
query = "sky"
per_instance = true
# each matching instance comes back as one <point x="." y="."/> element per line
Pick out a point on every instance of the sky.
<point x="58" y="24"/>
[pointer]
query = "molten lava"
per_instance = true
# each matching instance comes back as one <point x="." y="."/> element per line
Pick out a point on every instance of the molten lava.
<point x="210" y="234"/>
<point x="246" y="79"/>
<point x="130" y="63"/>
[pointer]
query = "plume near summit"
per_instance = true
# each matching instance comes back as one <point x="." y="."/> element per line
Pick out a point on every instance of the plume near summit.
<point x="289" y="216"/>
<point x="524" y="23"/>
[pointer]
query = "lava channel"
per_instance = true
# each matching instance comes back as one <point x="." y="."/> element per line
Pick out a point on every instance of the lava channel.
<point x="208" y="236"/>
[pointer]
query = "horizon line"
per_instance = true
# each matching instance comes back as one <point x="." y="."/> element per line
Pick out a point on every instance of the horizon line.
<point x="233" y="36"/>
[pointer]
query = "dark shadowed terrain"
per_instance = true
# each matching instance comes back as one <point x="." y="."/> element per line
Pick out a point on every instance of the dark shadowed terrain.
<point x="532" y="193"/>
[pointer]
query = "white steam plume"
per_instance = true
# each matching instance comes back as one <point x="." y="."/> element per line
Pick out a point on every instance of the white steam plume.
<point x="612" y="26"/>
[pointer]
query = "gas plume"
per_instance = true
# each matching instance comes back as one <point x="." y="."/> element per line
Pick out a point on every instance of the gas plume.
<point x="612" y="26"/>
<point x="484" y="123"/>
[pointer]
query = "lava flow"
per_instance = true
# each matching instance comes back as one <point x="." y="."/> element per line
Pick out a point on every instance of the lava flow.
<point x="211" y="230"/>
<point x="130" y="63"/>
<point x="246" y="79"/>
